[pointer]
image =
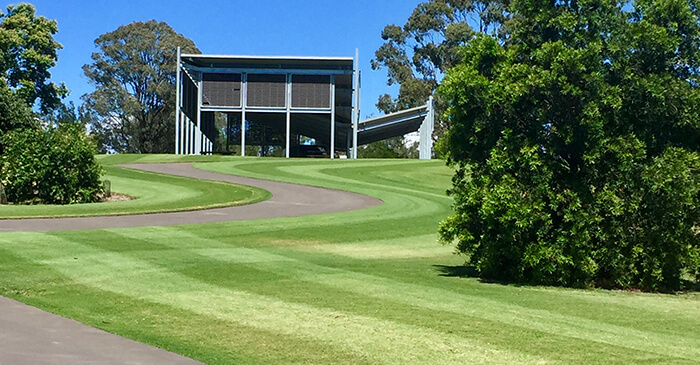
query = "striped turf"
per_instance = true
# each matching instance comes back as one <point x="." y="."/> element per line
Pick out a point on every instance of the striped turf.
<point x="369" y="286"/>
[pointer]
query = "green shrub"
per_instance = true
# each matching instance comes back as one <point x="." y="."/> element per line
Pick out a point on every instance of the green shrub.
<point x="53" y="166"/>
<point x="577" y="147"/>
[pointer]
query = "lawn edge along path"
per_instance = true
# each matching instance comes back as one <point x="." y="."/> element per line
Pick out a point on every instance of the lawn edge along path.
<point x="288" y="200"/>
<point x="153" y="195"/>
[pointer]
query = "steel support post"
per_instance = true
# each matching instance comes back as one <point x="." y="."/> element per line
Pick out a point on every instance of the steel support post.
<point x="332" y="148"/>
<point x="244" y="101"/>
<point x="186" y="136"/>
<point x="198" y="130"/>
<point x="289" y="115"/>
<point x="178" y="91"/>
<point x="356" y="102"/>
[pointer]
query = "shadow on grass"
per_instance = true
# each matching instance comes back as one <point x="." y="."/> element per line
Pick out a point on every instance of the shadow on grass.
<point x="469" y="271"/>
<point x="457" y="271"/>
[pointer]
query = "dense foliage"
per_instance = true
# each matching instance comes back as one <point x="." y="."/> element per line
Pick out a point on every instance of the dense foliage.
<point x="27" y="52"/>
<point x="14" y="114"/>
<point x="133" y="105"/>
<point x="575" y="139"/>
<point x="53" y="166"/>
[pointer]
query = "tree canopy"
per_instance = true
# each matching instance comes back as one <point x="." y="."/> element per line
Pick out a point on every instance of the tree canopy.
<point x="14" y="114"/>
<point x="417" y="54"/>
<point x="27" y="52"/>
<point x="132" y="107"/>
<point x="576" y="138"/>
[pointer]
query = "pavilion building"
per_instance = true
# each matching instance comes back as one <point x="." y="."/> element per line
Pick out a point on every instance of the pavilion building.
<point x="267" y="105"/>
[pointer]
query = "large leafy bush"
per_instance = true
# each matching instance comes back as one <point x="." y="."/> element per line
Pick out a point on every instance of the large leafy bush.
<point x="575" y="143"/>
<point x="53" y="166"/>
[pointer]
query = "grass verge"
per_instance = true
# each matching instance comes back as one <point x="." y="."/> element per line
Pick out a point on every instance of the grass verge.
<point x="155" y="193"/>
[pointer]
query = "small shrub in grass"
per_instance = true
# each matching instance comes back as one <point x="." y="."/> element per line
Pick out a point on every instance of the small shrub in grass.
<point x="53" y="166"/>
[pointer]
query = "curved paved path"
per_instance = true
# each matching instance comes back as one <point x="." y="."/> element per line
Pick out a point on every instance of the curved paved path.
<point x="288" y="200"/>
<point x="32" y="336"/>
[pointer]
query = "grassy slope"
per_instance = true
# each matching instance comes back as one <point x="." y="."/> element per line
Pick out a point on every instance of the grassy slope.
<point x="155" y="193"/>
<point x="357" y="287"/>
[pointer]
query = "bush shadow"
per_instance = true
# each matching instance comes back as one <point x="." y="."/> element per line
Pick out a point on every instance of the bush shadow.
<point x="470" y="271"/>
<point x="460" y="271"/>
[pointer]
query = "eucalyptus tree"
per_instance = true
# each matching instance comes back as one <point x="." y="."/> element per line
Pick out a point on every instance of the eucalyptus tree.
<point x="132" y="107"/>
<point x="417" y="54"/>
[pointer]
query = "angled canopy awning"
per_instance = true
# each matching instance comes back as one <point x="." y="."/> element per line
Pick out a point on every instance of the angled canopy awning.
<point x="397" y="124"/>
<point x="391" y="125"/>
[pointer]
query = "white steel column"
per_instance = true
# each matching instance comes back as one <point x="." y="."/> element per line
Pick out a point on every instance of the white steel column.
<point x="186" y="136"/>
<point x="289" y="114"/>
<point x="198" y="130"/>
<point x="244" y="101"/>
<point x="190" y="137"/>
<point x="332" y="151"/>
<point x="356" y="102"/>
<point x="181" y="135"/>
<point x="178" y="91"/>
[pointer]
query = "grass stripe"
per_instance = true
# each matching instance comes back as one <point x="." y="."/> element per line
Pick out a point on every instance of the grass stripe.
<point x="381" y="340"/>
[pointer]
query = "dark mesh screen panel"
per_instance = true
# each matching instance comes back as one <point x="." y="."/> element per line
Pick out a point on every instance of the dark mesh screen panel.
<point x="221" y="89"/>
<point x="311" y="91"/>
<point x="189" y="97"/>
<point x="267" y="90"/>
<point x="208" y="125"/>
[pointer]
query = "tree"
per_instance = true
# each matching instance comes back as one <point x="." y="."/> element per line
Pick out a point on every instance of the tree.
<point x="27" y="52"/>
<point x="132" y="107"/>
<point x="576" y="145"/>
<point x="417" y="54"/>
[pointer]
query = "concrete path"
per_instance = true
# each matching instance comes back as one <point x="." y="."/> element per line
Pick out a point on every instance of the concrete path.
<point x="32" y="336"/>
<point x="288" y="200"/>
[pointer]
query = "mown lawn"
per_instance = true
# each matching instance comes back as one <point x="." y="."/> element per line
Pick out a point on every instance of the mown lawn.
<point x="362" y="287"/>
<point x="154" y="193"/>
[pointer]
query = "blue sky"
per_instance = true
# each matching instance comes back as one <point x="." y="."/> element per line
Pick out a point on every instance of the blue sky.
<point x="276" y="27"/>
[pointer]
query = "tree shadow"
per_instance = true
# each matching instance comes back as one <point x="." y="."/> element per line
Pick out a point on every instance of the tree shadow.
<point x="470" y="271"/>
<point x="460" y="271"/>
